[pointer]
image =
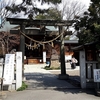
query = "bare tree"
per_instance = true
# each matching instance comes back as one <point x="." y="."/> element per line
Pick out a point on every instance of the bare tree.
<point x="8" y="42"/>
<point x="3" y="11"/>
<point x="72" y="9"/>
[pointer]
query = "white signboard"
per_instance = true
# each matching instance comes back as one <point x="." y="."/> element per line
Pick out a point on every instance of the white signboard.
<point x="18" y="69"/>
<point x="68" y="57"/>
<point x="9" y="69"/>
<point x="44" y="56"/>
<point x="1" y="68"/>
<point x="96" y="75"/>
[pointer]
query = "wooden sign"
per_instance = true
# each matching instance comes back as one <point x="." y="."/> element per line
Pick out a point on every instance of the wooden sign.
<point x="9" y="69"/>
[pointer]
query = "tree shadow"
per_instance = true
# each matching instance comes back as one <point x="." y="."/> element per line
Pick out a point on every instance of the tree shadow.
<point x="51" y="81"/>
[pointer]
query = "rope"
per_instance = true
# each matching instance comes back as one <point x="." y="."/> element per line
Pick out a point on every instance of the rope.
<point x="41" y="42"/>
<point x="30" y="45"/>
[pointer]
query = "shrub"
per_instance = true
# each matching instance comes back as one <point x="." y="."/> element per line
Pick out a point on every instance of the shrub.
<point x="23" y="87"/>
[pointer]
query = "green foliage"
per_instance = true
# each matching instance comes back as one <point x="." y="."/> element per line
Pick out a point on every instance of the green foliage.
<point x="52" y="1"/>
<point x="51" y="13"/>
<point x="51" y="68"/>
<point x="27" y="6"/>
<point x="54" y="14"/>
<point x="88" y="26"/>
<point x="97" y="28"/>
<point x="41" y="16"/>
<point x="67" y="38"/>
<point x="23" y="87"/>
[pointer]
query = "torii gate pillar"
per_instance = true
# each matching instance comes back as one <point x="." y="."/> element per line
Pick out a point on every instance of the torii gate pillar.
<point x="22" y="46"/>
<point x="63" y="74"/>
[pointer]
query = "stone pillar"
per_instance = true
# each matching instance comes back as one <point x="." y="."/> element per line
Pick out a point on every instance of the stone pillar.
<point x="62" y="56"/>
<point x="82" y="69"/>
<point x="18" y="70"/>
<point x="22" y="46"/>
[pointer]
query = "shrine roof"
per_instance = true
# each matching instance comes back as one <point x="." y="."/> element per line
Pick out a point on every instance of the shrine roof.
<point x="81" y="47"/>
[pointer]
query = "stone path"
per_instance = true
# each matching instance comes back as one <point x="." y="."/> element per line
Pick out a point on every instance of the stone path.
<point x="45" y="85"/>
<point x="39" y="78"/>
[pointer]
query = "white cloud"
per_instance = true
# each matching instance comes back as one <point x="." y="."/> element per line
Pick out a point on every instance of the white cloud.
<point x="18" y="1"/>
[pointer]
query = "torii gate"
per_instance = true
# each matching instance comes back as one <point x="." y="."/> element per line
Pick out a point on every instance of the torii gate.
<point x="24" y="22"/>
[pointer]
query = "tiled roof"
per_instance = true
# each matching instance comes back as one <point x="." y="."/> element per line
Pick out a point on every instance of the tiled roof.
<point x="7" y="26"/>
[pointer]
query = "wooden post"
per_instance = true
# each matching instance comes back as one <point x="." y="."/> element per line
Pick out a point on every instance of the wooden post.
<point x="82" y="69"/>
<point x="22" y="47"/>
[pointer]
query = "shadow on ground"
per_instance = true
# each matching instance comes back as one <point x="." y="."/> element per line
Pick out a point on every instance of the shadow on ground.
<point x="40" y="81"/>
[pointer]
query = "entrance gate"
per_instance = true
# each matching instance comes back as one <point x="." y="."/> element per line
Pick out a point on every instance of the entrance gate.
<point x="27" y="22"/>
<point x="88" y="61"/>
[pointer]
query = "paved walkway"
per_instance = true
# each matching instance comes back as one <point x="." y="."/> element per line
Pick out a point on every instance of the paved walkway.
<point x="45" y="85"/>
<point x="39" y="78"/>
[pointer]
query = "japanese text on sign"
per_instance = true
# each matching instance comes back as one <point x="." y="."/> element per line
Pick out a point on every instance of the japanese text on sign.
<point x="9" y="69"/>
<point x="96" y="75"/>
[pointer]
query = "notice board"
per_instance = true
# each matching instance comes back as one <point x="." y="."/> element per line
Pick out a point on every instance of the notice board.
<point x="96" y="75"/>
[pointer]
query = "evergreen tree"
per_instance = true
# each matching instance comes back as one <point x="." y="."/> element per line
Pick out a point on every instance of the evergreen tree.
<point x="88" y="26"/>
<point x="29" y="7"/>
<point x="51" y="14"/>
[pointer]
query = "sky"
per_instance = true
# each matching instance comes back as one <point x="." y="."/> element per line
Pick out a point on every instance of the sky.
<point x="83" y="1"/>
<point x="86" y="2"/>
<point x="45" y="6"/>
